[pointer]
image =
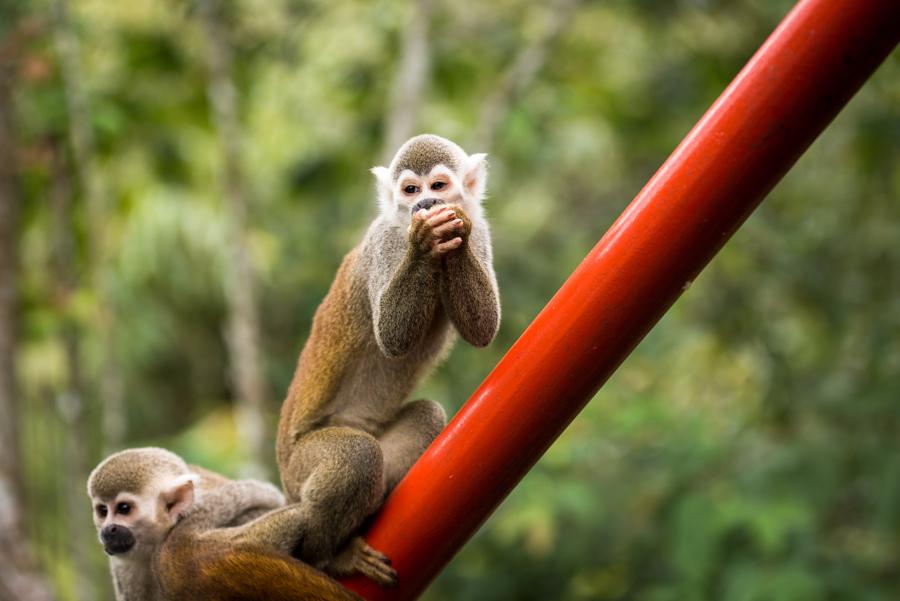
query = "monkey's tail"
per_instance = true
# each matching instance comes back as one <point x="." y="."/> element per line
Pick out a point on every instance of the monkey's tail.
<point x="250" y="574"/>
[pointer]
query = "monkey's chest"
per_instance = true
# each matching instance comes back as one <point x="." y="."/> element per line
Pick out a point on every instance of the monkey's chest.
<point x="376" y="386"/>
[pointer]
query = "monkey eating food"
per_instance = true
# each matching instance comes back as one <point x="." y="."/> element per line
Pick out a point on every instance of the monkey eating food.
<point x="422" y="274"/>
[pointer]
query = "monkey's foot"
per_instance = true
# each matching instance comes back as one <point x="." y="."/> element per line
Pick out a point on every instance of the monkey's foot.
<point x="357" y="557"/>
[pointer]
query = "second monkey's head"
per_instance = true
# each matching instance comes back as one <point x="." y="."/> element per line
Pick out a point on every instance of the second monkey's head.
<point x="138" y="495"/>
<point x="429" y="170"/>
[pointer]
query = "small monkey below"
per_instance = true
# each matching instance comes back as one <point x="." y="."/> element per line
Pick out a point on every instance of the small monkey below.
<point x="180" y="533"/>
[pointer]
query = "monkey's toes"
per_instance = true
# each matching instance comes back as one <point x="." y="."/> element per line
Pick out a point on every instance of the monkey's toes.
<point x="379" y="571"/>
<point x="375" y="555"/>
<point x="374" y="564"/>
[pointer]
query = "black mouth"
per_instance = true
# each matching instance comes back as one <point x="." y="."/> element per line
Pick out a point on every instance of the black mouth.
<point x="117" y="548"/>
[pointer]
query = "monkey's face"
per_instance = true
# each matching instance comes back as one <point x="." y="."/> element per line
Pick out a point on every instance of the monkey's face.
<point x="137" y="496"/>
<point x="416" y="192"/>
<point x="127" y="523"/>
<point x="430" y="170"/>
<point x="132" y="525"/>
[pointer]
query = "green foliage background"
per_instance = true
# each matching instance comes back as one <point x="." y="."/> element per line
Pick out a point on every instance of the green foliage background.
<point x="746" y="451"/>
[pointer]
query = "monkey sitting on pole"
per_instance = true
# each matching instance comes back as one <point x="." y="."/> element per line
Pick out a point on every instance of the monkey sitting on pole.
<point x="422" y="273"/>
<point x="176" y="532"/>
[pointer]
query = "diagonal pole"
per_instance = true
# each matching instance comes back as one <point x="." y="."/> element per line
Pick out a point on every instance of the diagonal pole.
<point x="791" y="89"/>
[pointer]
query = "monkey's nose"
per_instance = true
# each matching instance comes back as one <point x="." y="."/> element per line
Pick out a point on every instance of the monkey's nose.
<point x="116" y="539"/>
<point x="426" y="203"/>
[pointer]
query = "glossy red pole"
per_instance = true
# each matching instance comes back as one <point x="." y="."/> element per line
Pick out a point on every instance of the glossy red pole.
<point x="807" y="70"/>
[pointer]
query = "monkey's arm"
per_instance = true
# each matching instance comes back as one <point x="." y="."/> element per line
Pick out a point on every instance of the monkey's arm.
<point x="222" y="505"/>
<point x="403" y="289"/>
<point x="469" y="287"/>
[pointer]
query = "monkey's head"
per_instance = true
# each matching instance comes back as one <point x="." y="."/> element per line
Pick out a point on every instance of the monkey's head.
<point x="138" y="495"/>
<point x="429" y="170"/>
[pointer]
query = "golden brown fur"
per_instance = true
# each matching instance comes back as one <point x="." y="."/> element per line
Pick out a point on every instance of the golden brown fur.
<point x="208" y="565"/>
<point x="193" y="534"/>
<point x="347" y="434"/>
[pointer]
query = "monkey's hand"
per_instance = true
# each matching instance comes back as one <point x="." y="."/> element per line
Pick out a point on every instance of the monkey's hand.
<point x="465" y="227"/>
<point x="357" y="557"/>
<point x="437" y="231"/>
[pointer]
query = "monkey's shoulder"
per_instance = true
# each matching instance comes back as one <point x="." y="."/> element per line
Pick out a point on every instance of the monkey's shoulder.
<point x="385" y="237"/>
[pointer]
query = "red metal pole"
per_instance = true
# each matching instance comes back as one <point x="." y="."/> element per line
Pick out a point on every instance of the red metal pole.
<point x="807" y="70"/>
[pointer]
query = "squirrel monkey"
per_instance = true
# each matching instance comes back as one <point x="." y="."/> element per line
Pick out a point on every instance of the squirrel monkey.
<point x="422" y="273"/>
<point x="179" y="532"/>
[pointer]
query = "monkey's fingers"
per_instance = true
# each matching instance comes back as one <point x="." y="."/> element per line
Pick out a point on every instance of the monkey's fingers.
<point x="426" y="214"/>
<point x="418" y="220"/>
<point x="423" y="232"/>
<point x="435" y="209"/>
<point x="445" y="247"/>
<point x="443" y="215"/>
<point x="462" y="216"/>
<point x="445" y="229"/>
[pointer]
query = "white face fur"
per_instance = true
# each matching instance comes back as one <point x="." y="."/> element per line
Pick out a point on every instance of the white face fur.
<point x="131" y="525"/>
<point x="464" y="185"/>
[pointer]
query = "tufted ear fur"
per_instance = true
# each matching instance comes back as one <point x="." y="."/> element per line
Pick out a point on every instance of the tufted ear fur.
<point x="178" y="495"/>
<point x="475" y="176"/>
<point x="383" y="187"/>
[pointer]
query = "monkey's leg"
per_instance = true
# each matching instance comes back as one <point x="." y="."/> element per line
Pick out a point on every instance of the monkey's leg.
<point x="336" y="476"/>
<point x="283" y="529"/>
<point x="414" y="426"/>
<point x="417" y="423"/>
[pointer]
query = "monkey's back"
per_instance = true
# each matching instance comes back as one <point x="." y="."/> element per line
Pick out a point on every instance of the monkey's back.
<point x="323" y="360"/>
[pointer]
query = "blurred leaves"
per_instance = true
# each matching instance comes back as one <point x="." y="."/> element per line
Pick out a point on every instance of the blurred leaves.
<point x="746" y="451"/>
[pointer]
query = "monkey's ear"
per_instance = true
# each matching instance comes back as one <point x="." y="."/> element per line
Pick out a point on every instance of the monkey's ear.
<point x="475" y="175"/>
<point x="178" y="495"/>
<point x="383" y="187"/>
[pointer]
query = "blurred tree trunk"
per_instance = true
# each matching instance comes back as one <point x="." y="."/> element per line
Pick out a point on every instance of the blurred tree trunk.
<point x="243" y="334"/>
<point x="70" y="402"/>
<point x="519" y="75"/>
<point x="409" y="81"/>
<point x="71" y="399"/>
<point x="83" y="150"/>
<point x="19" y="577"/>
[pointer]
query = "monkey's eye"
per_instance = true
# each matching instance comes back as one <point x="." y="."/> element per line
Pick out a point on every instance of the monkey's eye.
<point x="410" y="189"/>
<point x="102" y="511"/>
<point x="123" y="508"/>
<point x="438" y="185"/>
